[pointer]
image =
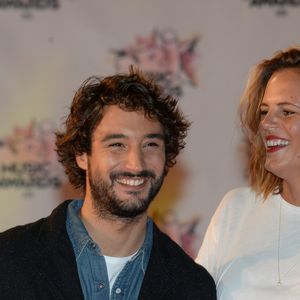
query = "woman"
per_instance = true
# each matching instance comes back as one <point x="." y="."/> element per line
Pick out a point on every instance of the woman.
<point x="252" y="245"/>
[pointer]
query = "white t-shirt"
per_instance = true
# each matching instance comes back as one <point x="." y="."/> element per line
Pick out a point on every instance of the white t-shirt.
<point x="114" y="266"/>
<point x="245" y="252"/>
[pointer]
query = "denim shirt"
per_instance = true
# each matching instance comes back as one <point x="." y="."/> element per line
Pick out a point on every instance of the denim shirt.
<point x="91" y="264"/>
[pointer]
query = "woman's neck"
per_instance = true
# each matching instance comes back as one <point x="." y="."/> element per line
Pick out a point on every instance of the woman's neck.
<point x="291" y="193"/>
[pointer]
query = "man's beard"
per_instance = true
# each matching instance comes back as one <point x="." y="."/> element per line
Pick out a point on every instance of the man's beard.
<point x="109" y="206"/>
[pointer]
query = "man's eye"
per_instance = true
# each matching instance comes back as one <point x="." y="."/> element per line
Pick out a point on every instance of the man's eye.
<point x="152" y="144"/>
<point x="116" y="145"/>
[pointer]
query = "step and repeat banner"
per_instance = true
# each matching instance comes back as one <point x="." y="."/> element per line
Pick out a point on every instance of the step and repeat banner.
<point x="199" y="51"/>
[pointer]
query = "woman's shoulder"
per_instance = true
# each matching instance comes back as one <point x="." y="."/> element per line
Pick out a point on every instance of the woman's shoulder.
<point x="237" y="204"/>
<point x="238" y="198"/>
<point x="240" y="193"/>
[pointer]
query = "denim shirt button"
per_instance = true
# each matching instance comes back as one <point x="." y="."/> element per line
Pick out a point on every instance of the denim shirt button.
<point x="101" y="285"/>
<point x="93" y="245"/>
<point x="118" y="290"/>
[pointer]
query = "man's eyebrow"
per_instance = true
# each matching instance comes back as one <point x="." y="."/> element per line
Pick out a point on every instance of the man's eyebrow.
<point x="113" y="136"/>
<point x="155" y="136"/>
<point x="122" y="136"/>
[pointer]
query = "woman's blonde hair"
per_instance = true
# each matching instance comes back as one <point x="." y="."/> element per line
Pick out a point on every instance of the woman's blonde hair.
<point x="262" y="181"/>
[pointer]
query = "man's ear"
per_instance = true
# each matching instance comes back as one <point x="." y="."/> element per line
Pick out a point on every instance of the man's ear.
<point x="82" y="161"/>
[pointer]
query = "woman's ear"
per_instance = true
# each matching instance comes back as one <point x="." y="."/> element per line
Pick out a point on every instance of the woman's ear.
<point x="82" y="161"/>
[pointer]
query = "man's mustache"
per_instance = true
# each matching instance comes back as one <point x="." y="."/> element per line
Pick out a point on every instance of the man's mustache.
<point x="144" y="173"/>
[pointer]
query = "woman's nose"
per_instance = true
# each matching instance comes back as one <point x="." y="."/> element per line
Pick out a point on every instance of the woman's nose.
<point x="269" y="121"/>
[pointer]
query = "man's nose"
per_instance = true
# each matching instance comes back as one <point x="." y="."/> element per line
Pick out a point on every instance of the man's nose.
<point x="135" y="161"/>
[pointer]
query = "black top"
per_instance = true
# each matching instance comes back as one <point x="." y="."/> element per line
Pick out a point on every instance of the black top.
<point x="37" y="262"/>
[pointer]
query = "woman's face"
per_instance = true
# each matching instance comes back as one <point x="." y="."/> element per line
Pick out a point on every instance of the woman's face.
<point x="280" y="124"/>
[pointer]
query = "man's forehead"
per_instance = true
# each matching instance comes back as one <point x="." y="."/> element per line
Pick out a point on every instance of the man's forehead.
<point x="120" y="121"/>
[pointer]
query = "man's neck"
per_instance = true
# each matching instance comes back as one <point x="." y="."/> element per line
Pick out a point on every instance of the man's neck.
<point x="115" y="237"/>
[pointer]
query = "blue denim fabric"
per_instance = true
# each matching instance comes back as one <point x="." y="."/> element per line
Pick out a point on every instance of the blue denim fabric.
<point x="91" y="264"/>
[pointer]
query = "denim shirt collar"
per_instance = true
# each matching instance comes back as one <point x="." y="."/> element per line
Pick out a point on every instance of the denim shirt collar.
<point x="80" y="237"/>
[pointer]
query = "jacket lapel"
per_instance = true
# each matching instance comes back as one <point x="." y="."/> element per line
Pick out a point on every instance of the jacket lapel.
<point x="55" y="257"/>
<point x="158" y="281"/>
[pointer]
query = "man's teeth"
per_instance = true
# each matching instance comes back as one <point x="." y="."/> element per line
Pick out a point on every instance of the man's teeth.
<point x="132" y="182"/>
<point x="274" y="143"/>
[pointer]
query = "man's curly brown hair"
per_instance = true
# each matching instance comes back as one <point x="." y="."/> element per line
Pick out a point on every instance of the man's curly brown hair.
<point x="130" y="92"/>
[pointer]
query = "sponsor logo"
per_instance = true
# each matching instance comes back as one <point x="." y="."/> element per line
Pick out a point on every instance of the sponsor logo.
<point x="183" y="233"/>
<point x="169" y="59"/>
<point x="280" y="5"/>
<point x="28" y="6"/>
<point x="28" y="159"/>
<point x="33" y="4"/>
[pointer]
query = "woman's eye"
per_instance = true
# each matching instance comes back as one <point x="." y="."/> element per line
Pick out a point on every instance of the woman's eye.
<point x="263" y="113"/>
<point x="288" y="112"/>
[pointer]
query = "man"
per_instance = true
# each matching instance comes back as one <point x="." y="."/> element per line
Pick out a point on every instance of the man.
<point x="122" y="135"/>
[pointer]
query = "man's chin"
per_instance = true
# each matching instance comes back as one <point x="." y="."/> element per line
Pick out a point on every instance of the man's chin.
<point x="130" y="212"/>
<point x="133" y="206"/>
<point x="132" y="197"/>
